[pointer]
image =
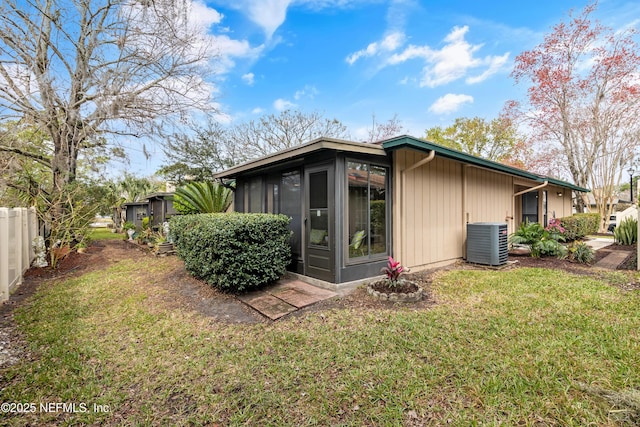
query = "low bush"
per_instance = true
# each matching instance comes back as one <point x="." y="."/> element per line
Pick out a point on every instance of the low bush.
<point x="580" y="225"/>
<point x="626" y="233"/>
<point x="582" y="253"/>
<point x="541" y="241"/>
<point x="233" y="252"/>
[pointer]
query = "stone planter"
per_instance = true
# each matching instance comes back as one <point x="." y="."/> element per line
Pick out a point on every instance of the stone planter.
<point x="396" y="296"/>
<point x="164" y="248"/>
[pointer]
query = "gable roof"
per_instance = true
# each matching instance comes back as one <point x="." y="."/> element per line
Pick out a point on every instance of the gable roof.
<point x="410" y="142"/>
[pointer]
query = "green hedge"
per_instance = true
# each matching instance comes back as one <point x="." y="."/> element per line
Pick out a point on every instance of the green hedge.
<point x="233" y="252"/>
<point x="579" y="225"/>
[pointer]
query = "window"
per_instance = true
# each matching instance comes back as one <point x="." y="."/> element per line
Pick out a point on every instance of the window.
<point x="367" y="210"/>
<point x="255" y="195"/>
<point x="319" y="209"/>
<point x="530" y="207"/>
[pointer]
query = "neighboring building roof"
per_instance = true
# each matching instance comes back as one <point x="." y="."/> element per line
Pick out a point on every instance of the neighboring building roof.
<point x="381" y="149"/>
<point x="159" y="195"/>
<point x="138" y="203"/>
<point x="426" y="146"/>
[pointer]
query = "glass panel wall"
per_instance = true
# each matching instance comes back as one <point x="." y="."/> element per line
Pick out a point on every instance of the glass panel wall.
<point x="291" y="206"/>
<point x="366" y="209"/>
<point x="255" y="195"/>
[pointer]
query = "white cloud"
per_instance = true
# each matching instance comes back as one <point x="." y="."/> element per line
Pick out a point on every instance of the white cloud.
<point x="248" y="78"/>
<point x="271" y="14"/>
<point x="283" y="104"/>
<point x="203" y="16"/>
<point x="257" y="110"/>
<point x="267" y="14"/>
<point x="227" y="49"/>
<point x="307" y="92"/>
<point x="450" y="103"/>
<point x="389" y="43"/>
<point x="452" y="62"/>
<point x="496" y="63"/>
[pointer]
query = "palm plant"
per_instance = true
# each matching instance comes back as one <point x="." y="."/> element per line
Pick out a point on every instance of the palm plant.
<point x="202" y="197"/>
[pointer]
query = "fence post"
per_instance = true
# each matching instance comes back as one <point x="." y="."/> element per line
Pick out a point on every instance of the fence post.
<point x="33" y="232"/>
<point x="4" y="254"/>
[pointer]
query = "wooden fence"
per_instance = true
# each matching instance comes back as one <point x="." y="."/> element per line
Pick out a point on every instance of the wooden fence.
<point x="18" y="228"/>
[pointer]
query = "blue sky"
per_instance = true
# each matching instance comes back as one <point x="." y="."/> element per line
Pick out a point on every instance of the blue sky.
<point x="428" y="62"/>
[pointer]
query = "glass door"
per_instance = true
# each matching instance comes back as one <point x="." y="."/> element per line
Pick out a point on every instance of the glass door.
<point x="319" y="223"/>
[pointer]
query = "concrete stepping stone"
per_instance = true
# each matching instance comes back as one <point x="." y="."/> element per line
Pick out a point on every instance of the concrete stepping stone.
<point x="270" y="306"/>
<point x="286" y="296"/>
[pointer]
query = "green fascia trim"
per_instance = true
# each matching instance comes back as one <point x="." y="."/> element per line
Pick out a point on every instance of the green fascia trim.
<point x="424" y="145"/>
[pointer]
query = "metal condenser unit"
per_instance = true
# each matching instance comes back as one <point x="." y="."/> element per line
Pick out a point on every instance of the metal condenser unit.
<point x="487" y="243"/>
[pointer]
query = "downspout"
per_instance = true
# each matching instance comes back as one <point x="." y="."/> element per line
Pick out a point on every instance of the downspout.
<point x="403" y="196"/>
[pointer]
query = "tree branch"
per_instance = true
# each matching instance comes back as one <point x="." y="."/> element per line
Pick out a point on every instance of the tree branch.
<point x="43" y="160"/>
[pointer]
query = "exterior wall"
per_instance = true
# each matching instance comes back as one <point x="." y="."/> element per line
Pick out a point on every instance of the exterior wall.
<point x="433" y="203"/>
<point x="427" y="210"/>
<point x="560" y="202"/>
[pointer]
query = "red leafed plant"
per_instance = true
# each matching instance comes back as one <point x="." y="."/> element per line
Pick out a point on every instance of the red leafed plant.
<point x="393" y="270"/>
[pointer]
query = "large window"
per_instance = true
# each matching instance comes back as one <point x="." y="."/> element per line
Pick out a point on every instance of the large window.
<point x="367" y="209"/>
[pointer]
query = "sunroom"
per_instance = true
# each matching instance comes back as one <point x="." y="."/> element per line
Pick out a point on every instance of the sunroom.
<point x="337" y="194"/>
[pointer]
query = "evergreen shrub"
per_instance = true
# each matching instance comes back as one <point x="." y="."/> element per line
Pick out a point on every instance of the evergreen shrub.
<point x="234" y="251"/>
<point x="580" y="225"/>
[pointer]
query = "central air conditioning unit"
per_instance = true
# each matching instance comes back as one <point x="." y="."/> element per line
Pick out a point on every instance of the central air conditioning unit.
<point x="487" y="243"/>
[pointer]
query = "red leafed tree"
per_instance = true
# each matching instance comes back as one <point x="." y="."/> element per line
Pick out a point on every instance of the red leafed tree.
<point x="583" y="99"/>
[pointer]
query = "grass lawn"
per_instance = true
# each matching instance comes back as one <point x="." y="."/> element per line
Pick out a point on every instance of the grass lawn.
<point x="518" y="347"/>
<point x="105" y="234"/>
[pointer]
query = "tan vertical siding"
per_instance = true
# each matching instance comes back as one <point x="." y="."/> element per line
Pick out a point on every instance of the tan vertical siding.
<point x="489" y="196"/>
<point x="561" y="205"/>
<point x="432" y="210"/>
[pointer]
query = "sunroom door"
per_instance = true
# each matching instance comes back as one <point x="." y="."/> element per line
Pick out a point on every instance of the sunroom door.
<point x="320" y="223"/>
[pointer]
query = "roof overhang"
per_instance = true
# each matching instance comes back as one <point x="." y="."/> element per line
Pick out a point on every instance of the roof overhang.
<point x="302" y="150"/>
<point x="409" y="142"/>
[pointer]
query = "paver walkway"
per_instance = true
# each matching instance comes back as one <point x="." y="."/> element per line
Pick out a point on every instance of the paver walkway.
<point x="613" y="260"/>
<point x="287" y="296"/>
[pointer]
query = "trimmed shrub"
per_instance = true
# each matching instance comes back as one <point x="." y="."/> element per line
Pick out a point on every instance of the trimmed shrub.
<point x="579" y="225"/>
<point x="626" y="233"/>
<point x="233" y="252"/>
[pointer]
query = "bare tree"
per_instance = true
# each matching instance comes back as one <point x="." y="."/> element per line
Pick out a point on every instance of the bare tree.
<point x="80" y="70"/>
<point x="381" y="131"/>
<point x="273" y="133"/>
<point x="584" y="98"/>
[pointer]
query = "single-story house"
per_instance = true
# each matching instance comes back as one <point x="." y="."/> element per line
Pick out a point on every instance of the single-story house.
<point x="160" y="208"/>
<point x="353" y="204"/>
<point x="134" y="212"/>
<point x="157" y="206"/>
